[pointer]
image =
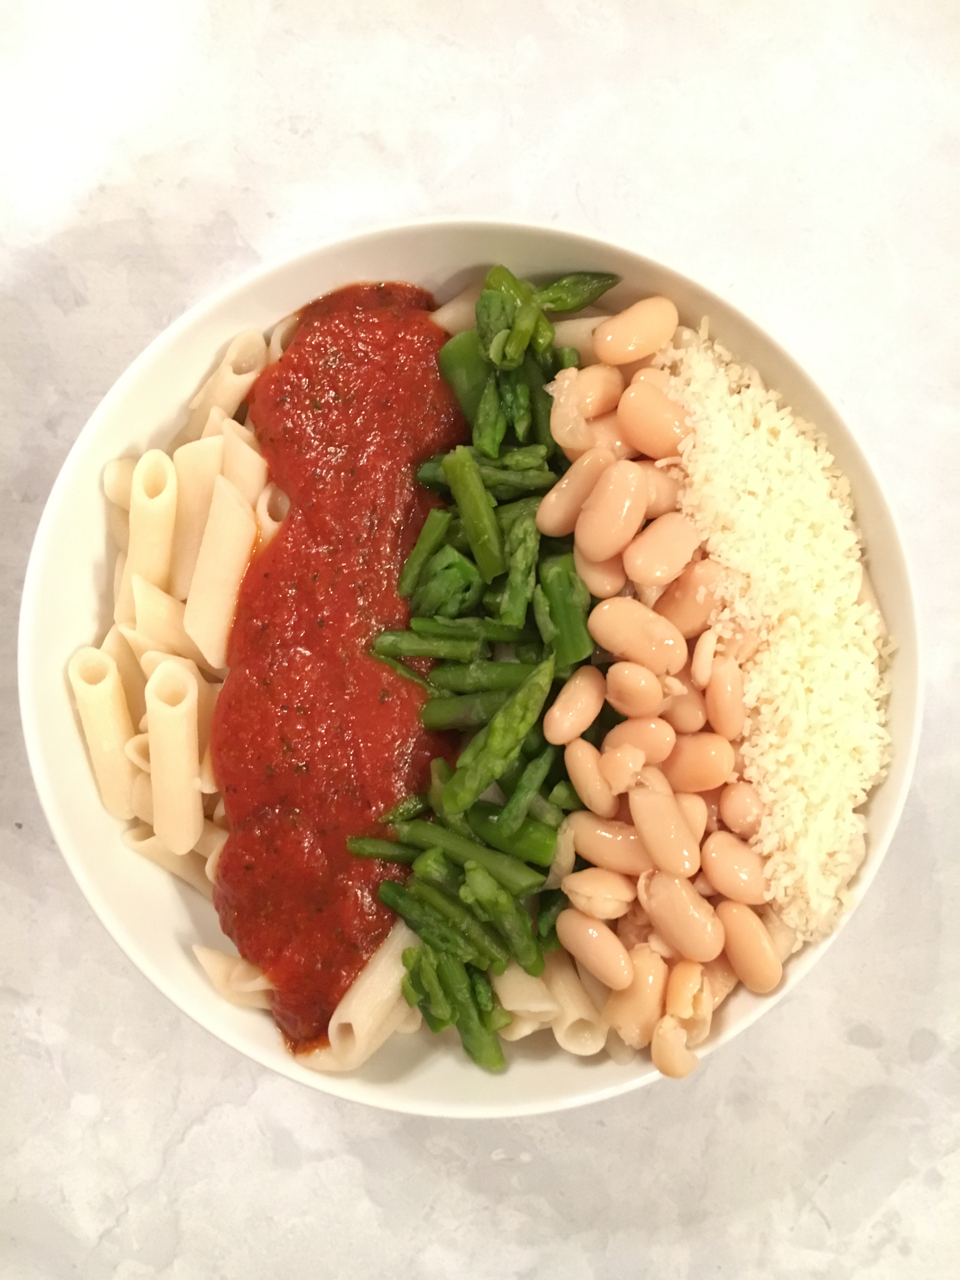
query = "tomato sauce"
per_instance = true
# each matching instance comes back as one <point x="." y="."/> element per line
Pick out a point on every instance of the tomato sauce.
<point x="312" y="738"/>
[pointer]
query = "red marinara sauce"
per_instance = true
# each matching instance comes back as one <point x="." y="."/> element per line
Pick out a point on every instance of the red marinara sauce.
<point x="312" y="739"/>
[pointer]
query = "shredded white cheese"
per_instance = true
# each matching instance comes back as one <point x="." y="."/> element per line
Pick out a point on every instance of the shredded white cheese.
<point x="764" y="490"/>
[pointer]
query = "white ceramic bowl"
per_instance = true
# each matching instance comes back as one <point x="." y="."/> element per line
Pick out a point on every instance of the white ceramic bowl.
<point x="155" y="918"/>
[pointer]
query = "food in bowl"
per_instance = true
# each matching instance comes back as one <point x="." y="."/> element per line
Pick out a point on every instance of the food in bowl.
<point x="660" y="917"/>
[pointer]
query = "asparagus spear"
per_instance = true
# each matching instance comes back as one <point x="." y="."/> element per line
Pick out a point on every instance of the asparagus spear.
<point x="506" y="915"/>
<point x="463" y="712"/>
<point x="552" y="902"/>
<point x="388" y="850"/>
<point x="515" y="399"/>
<point x="464" y="368"/>
<point x="476" y="628"/>
<point x="564" y="796"/>
<point x="440" y="772"/>
<point x="409" y="807"/>
<point x="407" y="644"/>
<point x="480" y="1043"/>
<point x="448" y="585"/>
<point x="522" y="546"/>
<point x="455" y="911"/>
<point x="541" y="402"/>
<point x="477" y="676"/>
<point x="568" y="602"/>
<point x="432" y="867"/>
<point x="490" y="425"/>
<point x="515" y="876"/>
<point x="404" y="671"/>
<point x="429" y="541"/>
<point x="505" y="282"/>
<point x="492" y="1012"/>
<point x="479" y="522"/>
<point x="502" y="741"/>
<point x="574" y="292"/>
<point x="528" y="458"/>
<point x="532" y="841"/>
<point x="414" y="986"/>
<point x="528" y="785"/>
<point x="432" y="927"/>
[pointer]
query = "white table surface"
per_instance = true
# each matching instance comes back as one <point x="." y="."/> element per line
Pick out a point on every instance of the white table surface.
<point x="800" y="159"/>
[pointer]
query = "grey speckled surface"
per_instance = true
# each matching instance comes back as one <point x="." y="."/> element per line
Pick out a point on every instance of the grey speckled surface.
<point x="802" y="160"/>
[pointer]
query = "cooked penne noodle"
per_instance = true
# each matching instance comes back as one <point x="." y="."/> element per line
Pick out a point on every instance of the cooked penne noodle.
<point x="197" y="466"/>
<point x="174" y="756"/>
<point x="153" y="508"/>
<point x="243" y="463"/>
<point x="227" y="543"/>
<point x="578" y="1027"/>
<point x="160" y="618"/>
<point x="131" y="676"/>
<point x="635" y="1012"/>
<point x="118" y="568"/>
<point x="117" y="479"/>
<point x="189" y="868"/>
<point x="235" y="979"/>
<point x="371" y="1010"/>
<point x="272" y="507"/>
<point x="118" y="525"/>
<point x="227" y="386"/>
<point x="137" y="749"/>
<point x="214" y="424"/>
<point x="460" y="312"/>
<point x="527" y="999"/>
<point x="208" y="782"/>
<point x="107" y="726"/>
<point x="211" y="840"/>
<point x="142" y="798"/>
<point x="207" y="693"/>
<point x="281" y="335"/>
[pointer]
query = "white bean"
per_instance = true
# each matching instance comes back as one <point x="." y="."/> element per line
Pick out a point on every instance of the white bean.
<point x="603" y="580"/>
<point x="661" y="552"/>
<point x="582" y="761"/>
<point x="577" y="705"/>
<point x="633" y="690"/>
<point x="628" y="629"/>
<point x="597" y="948"/>
<point x="612" y="512"/>
<point x="637" y="332"/>
<point x="605" y="895"/>
<point x="560" y="507"/>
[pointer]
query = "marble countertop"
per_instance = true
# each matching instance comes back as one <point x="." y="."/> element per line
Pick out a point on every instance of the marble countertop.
<point x="802" y="160"/>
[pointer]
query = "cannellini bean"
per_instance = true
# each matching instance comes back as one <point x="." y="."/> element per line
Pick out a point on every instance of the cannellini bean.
<point x="607" y="433"/>
<point x="689" y="1000"/>
<point x="621" y="768"/>
<point x="711" y="798"/>
<point x="668" y="1049"/>
<point x="605" y="895"/>
<point x="613" y="845"/>
<point x="632" y="689"/>
<point x="683" y="919"/>
<point x="733" y="868"/>
<point x="568" y="426"/>
<point x="694" y="810"/>
<point x="740" y="809"/>
<point x="599" y="389"/>
<point x="623" y="804"/>
<point x="659" y="377"/>
<point x="596" y="947"/>
<point x="634" y="928"/>
<point x="664" y="490"/>
<point x="749" y="947"/>
<point x="686" y="710"/>
<point x="628" y="629"/>
<point x="582" y="761"/>
<point x="636" y="1010"/>
<point x="698" y="762"/>
<point x="723" y="698"/>
<point x="701" y="664"/>
<point x="719" y="973"/>
<point x="603" y="580"/>
<point x="560" y="507"/>
<point x="612" y="512"/>
<point x="664" y="831"/>
<point x="703" y="886"/>
<point x="577" y="705"/>
<point x="652" y="777"/>
<point x="638" y="331"/>
<point x="564" y="856"/>
<point x="653" y="423"/>
<point x="656" y="942"/>
<point x="690" y="601"/>
<point x="651" y="735"/>
<point x="661" y="552"/>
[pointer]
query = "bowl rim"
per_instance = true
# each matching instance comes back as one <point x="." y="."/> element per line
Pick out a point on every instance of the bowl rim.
<point x="337" y="1085"/>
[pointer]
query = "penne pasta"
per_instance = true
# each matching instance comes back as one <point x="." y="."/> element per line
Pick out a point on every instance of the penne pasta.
<point x="227" y="386"/>
<point x="371" y="1010"/>
<point x="107" y="726"/>
<point x="578" y="1027"/>
<point x="118" y="525"/>
<point x="171" y="696"/>
<point x="235" y="979"/>
<point x="228" y="541"/>
<point x="153" y="506"/>
<point x="281" y="335"/>
<point x="160" y="623"/>
<point x="243" y="463"/>
<point x="189" y="868"/>
<point x="272" y="507"/>
<point x="142" y="798"/>
<point x="197" y="466"/>
<point x="206" y="692"/>
<point x="214" y="424"/>
<point x="117" y="481"/>
<point x="137" y="750"/>
<point x="132" y="678"/>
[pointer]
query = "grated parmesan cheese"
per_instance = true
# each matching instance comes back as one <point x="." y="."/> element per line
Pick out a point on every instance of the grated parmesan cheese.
<point x="764" y="490"/>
